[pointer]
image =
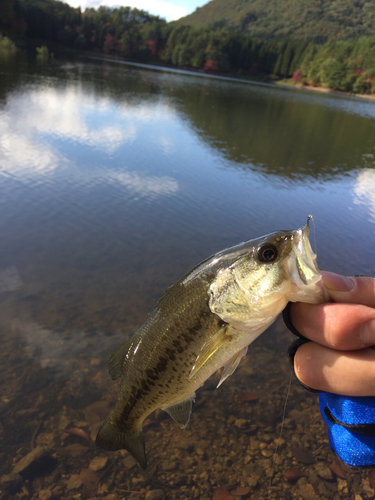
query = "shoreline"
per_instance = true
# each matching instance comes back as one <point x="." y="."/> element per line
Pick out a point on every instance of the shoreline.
<point x="280" y="83"/>
<point x="325" y="90"/>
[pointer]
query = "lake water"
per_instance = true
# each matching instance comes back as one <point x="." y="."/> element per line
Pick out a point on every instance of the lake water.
<point x="116" y="180"/>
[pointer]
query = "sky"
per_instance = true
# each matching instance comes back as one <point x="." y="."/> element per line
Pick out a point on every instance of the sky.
<point x="169" y="9"/>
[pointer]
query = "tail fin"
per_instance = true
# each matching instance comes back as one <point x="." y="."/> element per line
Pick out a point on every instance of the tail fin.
<point x="111" y="438"/>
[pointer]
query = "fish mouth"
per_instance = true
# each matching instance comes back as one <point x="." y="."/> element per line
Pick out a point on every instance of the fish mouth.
<point x="303" y="269"/>
<point x="305" y="257"/>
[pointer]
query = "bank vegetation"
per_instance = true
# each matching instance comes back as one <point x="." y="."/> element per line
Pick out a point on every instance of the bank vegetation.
<point x="344" y="64"/>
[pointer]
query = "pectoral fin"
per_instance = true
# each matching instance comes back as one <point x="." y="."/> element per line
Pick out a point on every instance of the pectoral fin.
<point x="209" y="349"/>
<point x="117" y="360"/>
<point x="180" y="412"/>
<point x="231" y="366"/>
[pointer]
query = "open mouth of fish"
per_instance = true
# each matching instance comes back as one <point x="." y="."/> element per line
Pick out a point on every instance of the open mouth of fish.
<point x="203" y="322"/>
<point x="302" y="266"/>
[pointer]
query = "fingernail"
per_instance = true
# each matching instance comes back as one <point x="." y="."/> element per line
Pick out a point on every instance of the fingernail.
<point x="337" y="282"/>
<point x="367" y="333"/>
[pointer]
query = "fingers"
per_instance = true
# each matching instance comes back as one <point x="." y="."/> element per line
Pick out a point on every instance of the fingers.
<point x="349" y="373"/>
<point x="343" y="327"/>
<point x="340" y="358"/>
<point x="346" y="325"/>
<point x="350" y="290"/>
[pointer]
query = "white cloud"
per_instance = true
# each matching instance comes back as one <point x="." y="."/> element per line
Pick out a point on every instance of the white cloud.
<point x="364" y="191"/>
<point x="170" y="11"/>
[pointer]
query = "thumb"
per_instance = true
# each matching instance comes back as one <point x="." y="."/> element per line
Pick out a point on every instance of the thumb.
<point x="350" y="289"/>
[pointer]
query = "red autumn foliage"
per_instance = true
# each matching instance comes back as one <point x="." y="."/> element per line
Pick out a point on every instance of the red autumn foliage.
<point x="109" y="42"/>
<point x="211" y="65"/>
<point x="359" y="72"/>
<point x="297" y="76"/>
<point x="152" y="46"/>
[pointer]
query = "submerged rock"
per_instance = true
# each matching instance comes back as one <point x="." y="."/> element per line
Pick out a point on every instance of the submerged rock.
<point x="11" y="481"/>
<point x="155" y="495"/>
<point x="45" y="494"/>
<point x="98" y="463"/>
<point x="306" y="490"/>
<point x="324" y="471"/>
<point x="39" y="462"/>
<point x="293" y="474"/>
<point x="74" y="482"/>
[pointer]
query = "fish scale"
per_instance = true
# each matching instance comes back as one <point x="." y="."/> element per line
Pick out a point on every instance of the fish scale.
<point x="178" y="329"/>
<point x="204" y="322"/>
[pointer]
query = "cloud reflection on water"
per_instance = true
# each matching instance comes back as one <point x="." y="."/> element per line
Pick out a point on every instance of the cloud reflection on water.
<point x="35" y="125"/>
<point x="10" y="280"/>
<point x="146" y="185"/>
<point x="20" y="153"/>
<point x="364" y="191"/>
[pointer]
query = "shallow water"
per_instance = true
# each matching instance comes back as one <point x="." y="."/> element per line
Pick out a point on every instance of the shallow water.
<point x="115" y="181"/>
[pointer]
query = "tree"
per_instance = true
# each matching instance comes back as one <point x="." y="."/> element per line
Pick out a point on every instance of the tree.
<point x="211" y="65"/>
<point x="297" y="76"/>
<point x="334" y="74"/>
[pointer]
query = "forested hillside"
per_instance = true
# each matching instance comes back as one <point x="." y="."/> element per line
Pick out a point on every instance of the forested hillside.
<point x="130" y="32"/>
<point x="313" y="20"/>
<point x="347" y="65"/>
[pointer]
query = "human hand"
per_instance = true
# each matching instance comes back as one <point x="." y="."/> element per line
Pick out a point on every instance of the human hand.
<point x="341" y="357"/>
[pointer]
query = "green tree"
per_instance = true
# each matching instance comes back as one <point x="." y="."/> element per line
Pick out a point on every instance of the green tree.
<point x="333" y="74"/>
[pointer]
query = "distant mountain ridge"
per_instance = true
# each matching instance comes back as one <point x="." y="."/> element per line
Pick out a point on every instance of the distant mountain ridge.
<point x="315" y="20"/>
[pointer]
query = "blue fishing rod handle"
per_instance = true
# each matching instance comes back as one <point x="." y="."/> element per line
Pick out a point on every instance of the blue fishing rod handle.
<point x="351" y="427"/>
<point x="350" y="420"/>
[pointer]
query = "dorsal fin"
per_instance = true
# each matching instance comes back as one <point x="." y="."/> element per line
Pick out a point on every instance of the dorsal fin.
<point x="181" y="411"/>
<point x="117" y="360"/>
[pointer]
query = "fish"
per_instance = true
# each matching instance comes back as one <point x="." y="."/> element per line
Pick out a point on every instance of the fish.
<point x="202" y="323"/>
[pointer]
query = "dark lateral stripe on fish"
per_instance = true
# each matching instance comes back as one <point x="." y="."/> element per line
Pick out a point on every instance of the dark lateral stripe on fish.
<point x="210" y="307"/>
<point x="154" y="373"/>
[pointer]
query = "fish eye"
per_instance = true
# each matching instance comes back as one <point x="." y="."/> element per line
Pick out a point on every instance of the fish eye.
<point x="267" y="253"/>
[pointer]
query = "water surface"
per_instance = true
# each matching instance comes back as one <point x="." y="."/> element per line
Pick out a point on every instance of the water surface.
<point x="114" y="182"/>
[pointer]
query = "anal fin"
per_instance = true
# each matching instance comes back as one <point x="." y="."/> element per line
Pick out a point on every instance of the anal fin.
<point x="117" y="360"/>
<point x="209" y="349"/>
<point x="231" y="366"/>
<point x="181" y="411"/>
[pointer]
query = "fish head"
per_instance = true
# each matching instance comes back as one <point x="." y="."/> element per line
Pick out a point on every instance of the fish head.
<point x="263" y="275"/>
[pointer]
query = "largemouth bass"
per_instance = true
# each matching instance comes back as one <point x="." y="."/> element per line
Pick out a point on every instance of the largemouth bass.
<point x="204" y="322"/>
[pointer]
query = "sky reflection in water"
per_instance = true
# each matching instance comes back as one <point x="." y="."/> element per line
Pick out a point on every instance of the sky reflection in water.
<point x="102" y="164"/>
<point x="116" y="181"/>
